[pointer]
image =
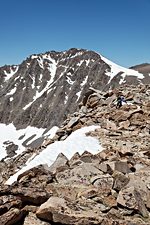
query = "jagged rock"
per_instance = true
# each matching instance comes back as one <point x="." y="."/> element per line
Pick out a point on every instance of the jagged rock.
<point x="88" y="193"/>
<point x="80" y="174"/>
<point x="86" y="157"/>
<point x="73" y="122"/>
<point x="111" y="125"/>
<point x="26" y="195"/>
<point x="122" y="167"/>
<point x="32" y="219"/>
<point x="11" y="217"/>
<point x="9" y="201"/>
<point x="93" y="100"/>
<point x="60" y="132"/>
<point x="41" y="173"/>
<point x="132" y="199"/>
<point x="120" y="181"/>
<point x="59" y="164"/>
<point x="124" y="124"/>
<point x="104" y="167"/>
<point x="83" y="110"/>
<point x="75" y="158"/>
<point x="60" y="211"/>
<point x="120" y="116"/>
<point x="104" y="182"/>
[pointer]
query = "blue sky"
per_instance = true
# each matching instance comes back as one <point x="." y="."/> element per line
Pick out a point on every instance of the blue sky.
<point x="117" y="29"/>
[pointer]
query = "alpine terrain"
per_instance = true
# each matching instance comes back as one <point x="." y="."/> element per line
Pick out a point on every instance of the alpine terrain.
<point x="68" y="154"/>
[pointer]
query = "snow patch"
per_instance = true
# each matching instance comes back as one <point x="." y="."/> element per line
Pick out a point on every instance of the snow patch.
<point x="69" y="81"/>
<point x="66" y="98"/>
<point x="40" y="62"/>
<point x="12" y="135"/>
<point x="13" y="70"/>
<point x="84" y="81"/>
<point x="115" y="69"/>
<point x="80" y="63"/>
<point x="78" y="94"/>
<point x="12" y="91"/>
<point x="11" y="99"/>
<point x="76" y="142"/>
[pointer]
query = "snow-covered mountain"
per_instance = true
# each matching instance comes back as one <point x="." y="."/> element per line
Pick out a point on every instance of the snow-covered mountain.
<point x="45" y="88"/>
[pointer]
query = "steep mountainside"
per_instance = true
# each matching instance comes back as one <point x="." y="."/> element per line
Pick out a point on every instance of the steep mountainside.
<point x="95" y="170"/>
<point x="44" y="88"/>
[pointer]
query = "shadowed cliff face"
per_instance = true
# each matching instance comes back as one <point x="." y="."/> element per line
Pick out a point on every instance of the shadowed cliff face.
<point x="44" y="88"/>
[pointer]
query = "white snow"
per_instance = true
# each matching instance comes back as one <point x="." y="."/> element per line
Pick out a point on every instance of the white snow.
<point x="33" y="81"/>
<point x="34" y="56"/>
<point x="82" y="84"/>
<point x="84" y="81"/>
<point x="11" y="99"/>
<point x="9" y="133"/>
<point x="87" y="62"/>
<point x="12" y="72"/>
<point x="52" y="69"/>
<point x="12" y="91"/>
<point x="115" y="69"/>
<point x="78" y="94"/>
<point x="66" y="98"/>
<point x="77" y="54"/>
<point x="76" y="142"/>
<point x="51" y="133"/>
<point x="80" y="63"/>
<point x="40" y="62"/>
<point x="69" y="81"/>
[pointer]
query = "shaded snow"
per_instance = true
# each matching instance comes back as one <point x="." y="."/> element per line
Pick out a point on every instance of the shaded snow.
<point x="9" y="133"/>
<point x="76" y="142"/>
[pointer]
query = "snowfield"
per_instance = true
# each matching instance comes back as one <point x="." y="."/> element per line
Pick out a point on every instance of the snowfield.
<point x="115" y="69"/>
<point x="76" y="142"/>
<point x="10" y="134"/>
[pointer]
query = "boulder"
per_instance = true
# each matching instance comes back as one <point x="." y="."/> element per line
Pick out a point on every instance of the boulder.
<point x="132" y="199"/>
<point x="58" y="210"/>
<point x="11" y="217"/>
<point x="60" y="163"/>
<point x="31" y="219"/>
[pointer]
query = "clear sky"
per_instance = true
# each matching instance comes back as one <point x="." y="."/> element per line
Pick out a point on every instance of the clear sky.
<point x="117" y="29"/>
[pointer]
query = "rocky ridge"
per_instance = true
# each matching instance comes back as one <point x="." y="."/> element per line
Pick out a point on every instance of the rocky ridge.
<point x="45" y="88"/>
<point x="111" y="187"/>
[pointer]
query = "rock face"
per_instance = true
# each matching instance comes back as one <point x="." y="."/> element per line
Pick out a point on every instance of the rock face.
<point x="45" y="88"/>
<point x="111" y="187"/>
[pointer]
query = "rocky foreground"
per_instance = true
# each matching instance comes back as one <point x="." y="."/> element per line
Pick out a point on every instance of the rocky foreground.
<point x="110" y="188"/>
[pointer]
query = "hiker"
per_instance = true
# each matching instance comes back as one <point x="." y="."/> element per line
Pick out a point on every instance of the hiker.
<point x="120" y="100"/>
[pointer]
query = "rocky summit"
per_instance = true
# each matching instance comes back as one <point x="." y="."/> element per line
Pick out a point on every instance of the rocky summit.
<point x="107" y="182"/>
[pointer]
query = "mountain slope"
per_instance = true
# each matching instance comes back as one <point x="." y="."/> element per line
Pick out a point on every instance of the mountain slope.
<point x="44" y="88"/>
<point x="108" y="184"/>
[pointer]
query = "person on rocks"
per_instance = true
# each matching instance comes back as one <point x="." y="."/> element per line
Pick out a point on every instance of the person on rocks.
<point x="120" y="101"/>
